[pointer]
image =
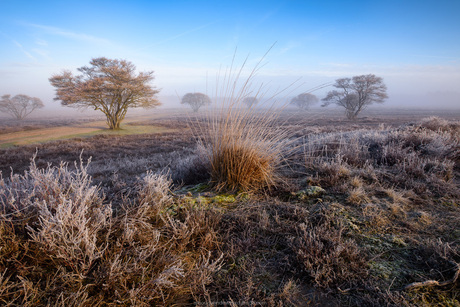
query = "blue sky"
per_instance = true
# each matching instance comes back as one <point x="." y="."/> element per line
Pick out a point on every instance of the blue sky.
<point x="413" y="45"/>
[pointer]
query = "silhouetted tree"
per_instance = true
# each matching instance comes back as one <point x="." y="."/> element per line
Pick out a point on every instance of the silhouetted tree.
<point x="20" y="105"/>
<point x="304" y="100"/>
<point x="357" y="93"/>
<point x="250" y="101"/>
<point x="196" y="100"/>
<point x="110" y="86"/>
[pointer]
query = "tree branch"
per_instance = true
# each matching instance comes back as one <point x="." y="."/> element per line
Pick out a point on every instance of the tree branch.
<point x="435" y="283"/>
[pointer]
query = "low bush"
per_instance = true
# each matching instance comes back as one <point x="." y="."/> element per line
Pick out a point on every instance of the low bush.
<point x="61" y="244"/>
<point x="408" y="157"/>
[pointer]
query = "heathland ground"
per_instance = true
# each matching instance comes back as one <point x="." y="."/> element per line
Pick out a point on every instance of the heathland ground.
<point x="363" y="212"/>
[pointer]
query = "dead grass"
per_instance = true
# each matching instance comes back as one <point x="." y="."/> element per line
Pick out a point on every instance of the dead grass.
<point x="245" y="160"/>
<point x="358" y="196"/>
<point x="245" y="150"/>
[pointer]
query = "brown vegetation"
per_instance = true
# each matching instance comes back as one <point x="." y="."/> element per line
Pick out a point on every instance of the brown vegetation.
<point x="366" y="214"/>
<point x="245" y="153"/>
<point x="61" y="244"/>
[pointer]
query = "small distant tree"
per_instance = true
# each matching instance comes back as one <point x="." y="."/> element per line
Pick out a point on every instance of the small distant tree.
<point x="110" y="86"/>
<point x="19" y="106"/>
<point x="250" y="101"/>
<point x="357" y="93"/>
<point x="304" y="100"/>
<point x="196" y="100"/>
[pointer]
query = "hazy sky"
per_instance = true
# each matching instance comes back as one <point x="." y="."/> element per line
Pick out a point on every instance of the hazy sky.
<point x="413" y="45"/>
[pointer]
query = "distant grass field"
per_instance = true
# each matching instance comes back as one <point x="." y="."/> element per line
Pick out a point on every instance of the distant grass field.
<point x="88" y="129"/>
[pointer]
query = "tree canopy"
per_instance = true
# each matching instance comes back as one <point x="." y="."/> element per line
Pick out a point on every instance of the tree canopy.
<point x="20" y="105"/>
<point x="357" y="93"/>
<point x="304" y="100"/>
<point x="110" y="86"/>
<point x="250" y="101"/>
<point x="196" y="100"/>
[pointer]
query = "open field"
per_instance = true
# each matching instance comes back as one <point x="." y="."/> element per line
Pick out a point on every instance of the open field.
<point x="366" y="213"/>
<point x="40" y="131"/>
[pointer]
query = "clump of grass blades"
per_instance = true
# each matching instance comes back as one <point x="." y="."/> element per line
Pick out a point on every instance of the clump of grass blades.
<point x="245" y="150"/>
<point x="244" y="157"/>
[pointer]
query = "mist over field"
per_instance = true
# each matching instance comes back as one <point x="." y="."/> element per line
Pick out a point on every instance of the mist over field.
<point x="413" y="48"/>
<point x="411" y="91"/>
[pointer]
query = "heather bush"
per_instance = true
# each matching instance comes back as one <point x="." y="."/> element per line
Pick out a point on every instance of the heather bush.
<point x="409" y="157"/>
<point x="62" y="244"/>
<point x="194" y="168"/>
<point x="329" y="258"/>
<point x="326" y="251"/>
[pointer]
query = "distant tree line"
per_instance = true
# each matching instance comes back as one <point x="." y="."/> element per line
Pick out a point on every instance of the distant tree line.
<point x="114" y="86"/>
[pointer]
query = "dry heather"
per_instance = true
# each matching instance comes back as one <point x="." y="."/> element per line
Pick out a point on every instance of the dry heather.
<point x="370" y="218"/>
<point x="412" y="157"/>
<point x="331" y="259"/>
<point x="62" y="245"/>
<point x="115" y="160"/>
<point x="400" y="192"/>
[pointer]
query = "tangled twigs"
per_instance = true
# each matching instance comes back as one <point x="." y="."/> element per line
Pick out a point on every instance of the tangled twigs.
<point x="430" y="283"/>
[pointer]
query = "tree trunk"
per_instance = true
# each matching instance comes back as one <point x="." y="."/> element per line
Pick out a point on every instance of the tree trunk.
<point x="113" y="122"/>
<point x="351" y="115"/>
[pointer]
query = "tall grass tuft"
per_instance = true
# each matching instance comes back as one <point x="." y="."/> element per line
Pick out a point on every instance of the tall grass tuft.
<point x="244" y="147"/>
<point x="244" y="156"/>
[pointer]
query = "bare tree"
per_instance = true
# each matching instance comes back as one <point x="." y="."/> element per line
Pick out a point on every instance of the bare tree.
<point x="357" y="93"/>
<point x="20" y="105"/>
<point x="304" y="100"/>
<point x="110" y="86"/>
<point x="196" y="100"/>
<point x="250" y="101"/>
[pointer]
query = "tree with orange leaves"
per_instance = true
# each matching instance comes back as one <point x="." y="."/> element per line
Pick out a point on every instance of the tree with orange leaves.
<point x="110" y="86"/>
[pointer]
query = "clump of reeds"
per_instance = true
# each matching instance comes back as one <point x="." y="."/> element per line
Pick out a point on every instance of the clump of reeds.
<point x="244" y="156"/>
<point x="245" y="150"/>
